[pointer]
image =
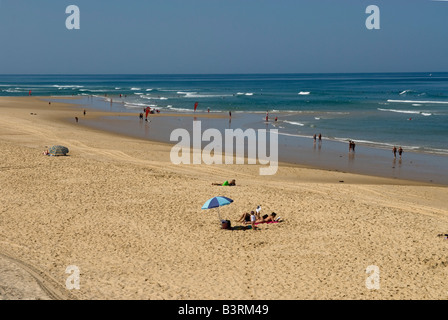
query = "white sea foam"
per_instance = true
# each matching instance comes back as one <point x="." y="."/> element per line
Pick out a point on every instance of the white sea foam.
<point x="12" y="91"/>
<point x="195" y="95"/>
<point x="249" y="94"/>
<point x="137" y="105"/>
<point x="153" y="98"/>
<point x="304" y="93"/>
<point x="178" y="109"/>
<point x="427" y="114"/>
<point x="186" y="92"/>
<point x="136" y="89"/>
<point x="413" y="101"/>
<point x="66" y="86"/>
<point x="294" y="123"/>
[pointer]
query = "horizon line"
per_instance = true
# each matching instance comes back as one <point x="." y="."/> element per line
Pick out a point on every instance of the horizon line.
<point x="205" y="74"/>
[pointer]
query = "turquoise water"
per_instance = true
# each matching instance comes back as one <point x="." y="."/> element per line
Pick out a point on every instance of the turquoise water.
<point x="381" y="110"/>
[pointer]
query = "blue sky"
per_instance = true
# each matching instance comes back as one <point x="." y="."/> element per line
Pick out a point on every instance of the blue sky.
<point x="222" y="36"/>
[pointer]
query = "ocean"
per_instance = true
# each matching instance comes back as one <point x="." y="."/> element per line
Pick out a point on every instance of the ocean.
<point x="379" y="110"/>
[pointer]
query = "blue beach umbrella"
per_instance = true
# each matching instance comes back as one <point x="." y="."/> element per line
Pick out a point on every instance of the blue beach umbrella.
<point x="216" y="202"/>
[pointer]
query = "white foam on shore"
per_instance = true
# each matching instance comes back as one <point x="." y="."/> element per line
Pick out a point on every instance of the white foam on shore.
<point x="414" y="101"/>
<point x="304" y="93"/>
<point x="426" y="114"/>
<point x="294" y="123"/>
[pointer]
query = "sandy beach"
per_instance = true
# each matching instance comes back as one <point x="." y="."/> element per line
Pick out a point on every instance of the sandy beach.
<point x="131" y="221"/>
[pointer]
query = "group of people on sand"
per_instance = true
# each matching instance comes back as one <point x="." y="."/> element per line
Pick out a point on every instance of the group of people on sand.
<point x="255" y="217"/>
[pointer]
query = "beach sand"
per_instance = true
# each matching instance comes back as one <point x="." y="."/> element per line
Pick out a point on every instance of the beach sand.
<point x="132" y="222"/>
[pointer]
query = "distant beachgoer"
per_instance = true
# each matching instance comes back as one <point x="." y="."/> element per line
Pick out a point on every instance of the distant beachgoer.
<point x="276" y="119"/>
<point x="208" y="110"/>
<point x="84" y="112"/>
<point x="320" y="137"/>
<point x="230" y="114"/>
<point x="353" y="146"/>
<point x="350" y="146"/>
<point x="315" y="137"/>
<point x="226" y="183"/>
<point x="400" y="151"/>
<point x="394" y="150"/>
<point x="76" y="118"/>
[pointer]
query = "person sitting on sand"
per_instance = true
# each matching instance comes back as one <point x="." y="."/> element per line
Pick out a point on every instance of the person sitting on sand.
<point x="226" y="183"/>
<point x="46" y="153"/>
<point x="245" y="218"/>
<point x="271" y="218"/>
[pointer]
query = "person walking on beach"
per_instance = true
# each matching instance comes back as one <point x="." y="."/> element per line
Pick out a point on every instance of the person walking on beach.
<point x="320" y="138"/>
<point x="395" y="152"/>
<point x="230" y="114"/>
<point x="353" y="146"/>
<point x="76" y="118"/>
<point x="400" y="151"/>
<point x="84" y="111"/>
<point x="349" y="146"/>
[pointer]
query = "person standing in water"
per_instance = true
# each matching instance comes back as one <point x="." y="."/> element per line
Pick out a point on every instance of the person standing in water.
<point x="394" y="150"/>
<point x="400" y="151"/>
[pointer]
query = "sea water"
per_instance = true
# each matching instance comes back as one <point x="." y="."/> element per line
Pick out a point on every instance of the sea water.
<point x="379" y="110"/>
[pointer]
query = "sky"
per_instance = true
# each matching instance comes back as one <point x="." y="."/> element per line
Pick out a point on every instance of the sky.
<point x="222" y="36"/>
